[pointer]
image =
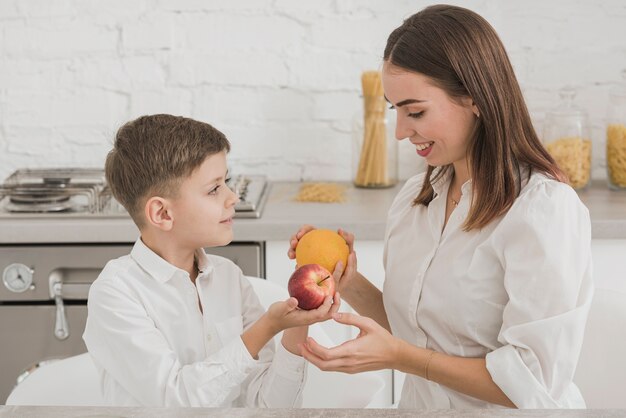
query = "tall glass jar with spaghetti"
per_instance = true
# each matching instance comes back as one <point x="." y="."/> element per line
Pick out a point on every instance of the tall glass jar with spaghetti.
<point x="374" y="147"/>
<point x="616" y="138"/>
<point x="566" y="136"/>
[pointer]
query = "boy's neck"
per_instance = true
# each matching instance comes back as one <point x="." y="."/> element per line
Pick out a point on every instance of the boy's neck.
<point x="168" y="250"/>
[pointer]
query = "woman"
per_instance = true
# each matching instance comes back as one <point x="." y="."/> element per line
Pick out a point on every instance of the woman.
<point x="487" y="255"/>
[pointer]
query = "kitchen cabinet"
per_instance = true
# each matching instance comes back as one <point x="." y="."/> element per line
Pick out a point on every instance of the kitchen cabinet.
<point x="609" y="264"/>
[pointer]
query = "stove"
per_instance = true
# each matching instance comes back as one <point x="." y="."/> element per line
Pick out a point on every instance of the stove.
<point x="83" y="192"/>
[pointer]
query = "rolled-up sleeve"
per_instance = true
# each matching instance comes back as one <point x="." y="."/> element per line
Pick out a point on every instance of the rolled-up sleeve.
<point x="545" y="247"/>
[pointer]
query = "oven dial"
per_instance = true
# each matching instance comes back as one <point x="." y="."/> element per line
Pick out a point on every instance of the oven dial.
<point x="18" y="277"/>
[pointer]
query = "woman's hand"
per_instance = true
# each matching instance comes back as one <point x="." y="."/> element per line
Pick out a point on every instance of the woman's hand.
<point x="342" y="276"/>
<point x="286" y="314"/>
<point x="293" y="241"/>
<point x="373" y="349"/>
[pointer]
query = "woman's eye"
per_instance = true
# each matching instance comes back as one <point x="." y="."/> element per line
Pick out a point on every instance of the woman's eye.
<point x="415" y="115"/>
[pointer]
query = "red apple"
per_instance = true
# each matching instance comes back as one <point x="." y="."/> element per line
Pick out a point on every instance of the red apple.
<point x="310" y="284"/>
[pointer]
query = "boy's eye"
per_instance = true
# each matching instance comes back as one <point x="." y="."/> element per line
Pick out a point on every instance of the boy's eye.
<point x="214" y="190"/>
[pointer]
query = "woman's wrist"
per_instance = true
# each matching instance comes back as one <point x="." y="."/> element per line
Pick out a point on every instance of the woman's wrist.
<point x="351" y="290"/>
<point x="413" y="360"/>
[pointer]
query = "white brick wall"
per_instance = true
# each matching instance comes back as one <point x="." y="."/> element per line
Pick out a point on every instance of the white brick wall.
<point x="279" y="77"/>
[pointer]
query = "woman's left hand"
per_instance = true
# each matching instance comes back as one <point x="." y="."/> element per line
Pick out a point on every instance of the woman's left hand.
<point x="373" y="349"/>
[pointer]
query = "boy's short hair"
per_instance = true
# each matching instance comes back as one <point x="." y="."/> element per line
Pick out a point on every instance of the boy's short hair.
<point x="153" y="154"/>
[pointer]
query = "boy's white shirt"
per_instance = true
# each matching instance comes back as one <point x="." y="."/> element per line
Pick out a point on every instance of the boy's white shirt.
<point x="153" y="346"/>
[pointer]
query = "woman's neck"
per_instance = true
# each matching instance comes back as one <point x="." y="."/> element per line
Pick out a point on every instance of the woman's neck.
<point x="461" y="174"/>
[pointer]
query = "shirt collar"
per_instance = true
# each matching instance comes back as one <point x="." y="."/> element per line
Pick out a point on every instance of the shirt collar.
<point x="441" y="184"/>
<point x="440" y="179"/>
<point x="161" y="270"/>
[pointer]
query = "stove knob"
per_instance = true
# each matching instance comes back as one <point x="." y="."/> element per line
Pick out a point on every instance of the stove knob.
<point x="18" y="277"/>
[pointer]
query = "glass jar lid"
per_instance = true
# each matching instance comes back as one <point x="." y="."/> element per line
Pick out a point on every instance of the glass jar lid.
<point x="566" y="107"/>
<point x="566" y="119"/>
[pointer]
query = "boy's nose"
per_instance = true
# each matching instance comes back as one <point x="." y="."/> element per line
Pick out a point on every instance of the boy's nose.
<point x="234" y="198"/>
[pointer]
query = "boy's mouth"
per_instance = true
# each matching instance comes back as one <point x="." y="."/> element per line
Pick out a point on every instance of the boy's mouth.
<point x="227" y="220"/>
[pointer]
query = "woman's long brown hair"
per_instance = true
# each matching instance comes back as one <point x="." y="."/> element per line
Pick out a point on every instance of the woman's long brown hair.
<point x="461" y="53"/>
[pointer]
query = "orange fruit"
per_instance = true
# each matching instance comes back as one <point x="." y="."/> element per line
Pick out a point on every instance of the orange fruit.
<point x="323" y="247"/>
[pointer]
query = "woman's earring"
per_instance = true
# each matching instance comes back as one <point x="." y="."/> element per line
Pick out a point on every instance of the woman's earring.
<point x="478" y="114"/>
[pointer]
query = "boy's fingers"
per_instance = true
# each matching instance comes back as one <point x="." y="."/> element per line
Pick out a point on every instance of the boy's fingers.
<point x="322" y="310"/>
<point x="292" y="303"/>
<point x="327" y="303"/>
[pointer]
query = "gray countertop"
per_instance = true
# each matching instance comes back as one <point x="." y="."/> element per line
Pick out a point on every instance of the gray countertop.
<point x="364" y="213"/>
<point x="102" y="412"/>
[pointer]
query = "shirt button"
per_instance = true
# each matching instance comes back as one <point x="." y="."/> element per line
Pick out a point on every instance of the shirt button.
<point x="208" y="338"/>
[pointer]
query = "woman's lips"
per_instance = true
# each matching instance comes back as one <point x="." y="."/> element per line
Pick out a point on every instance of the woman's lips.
<point x="424" y="148"/>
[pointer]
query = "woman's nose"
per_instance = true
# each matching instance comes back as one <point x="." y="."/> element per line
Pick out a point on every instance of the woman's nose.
<point x="402" y="128"/>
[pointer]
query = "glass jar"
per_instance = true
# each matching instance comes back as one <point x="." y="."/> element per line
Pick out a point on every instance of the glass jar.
<point x="616" y="138"/>
<point x="566" y="136"/>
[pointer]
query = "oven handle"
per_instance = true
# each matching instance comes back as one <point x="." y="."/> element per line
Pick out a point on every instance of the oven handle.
<point x="55" y="281"/>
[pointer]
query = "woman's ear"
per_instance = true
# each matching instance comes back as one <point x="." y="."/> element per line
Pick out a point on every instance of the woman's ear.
<point x="469" y="102"/>
<point x="475" y="110"/>
<point x="158" y="213"/>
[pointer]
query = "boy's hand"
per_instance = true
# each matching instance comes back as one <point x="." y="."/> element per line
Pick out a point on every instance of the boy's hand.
<point x="286" y="314"/>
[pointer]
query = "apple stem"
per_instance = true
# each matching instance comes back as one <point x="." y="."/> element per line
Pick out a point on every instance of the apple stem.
<point x="327" y="277"/>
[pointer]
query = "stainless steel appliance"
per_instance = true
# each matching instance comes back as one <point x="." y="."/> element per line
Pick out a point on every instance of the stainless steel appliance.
<point x="43" y="295"/>
<point x="70" y="192"/>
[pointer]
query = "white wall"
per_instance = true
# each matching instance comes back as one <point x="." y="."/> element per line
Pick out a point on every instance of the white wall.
<point x="279" y="77"/>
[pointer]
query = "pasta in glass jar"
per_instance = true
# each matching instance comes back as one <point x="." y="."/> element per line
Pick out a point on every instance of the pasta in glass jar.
<point x="616" y="138"/>
<point x="566" y="137"/>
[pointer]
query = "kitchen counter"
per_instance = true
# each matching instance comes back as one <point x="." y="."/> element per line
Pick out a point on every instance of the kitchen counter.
<point x="364" y="213"/>
<point x="103" y="412"/>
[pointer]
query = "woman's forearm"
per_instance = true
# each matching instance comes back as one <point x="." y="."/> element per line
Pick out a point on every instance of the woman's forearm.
<point x="466" y="375"/>
<point x="366" y="299"/>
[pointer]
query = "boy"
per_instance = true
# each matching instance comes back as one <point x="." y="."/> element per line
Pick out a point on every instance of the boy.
<point x="169" y="325"/>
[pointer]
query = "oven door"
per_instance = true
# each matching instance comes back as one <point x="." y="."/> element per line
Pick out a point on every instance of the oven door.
<point x="28" y="339"/>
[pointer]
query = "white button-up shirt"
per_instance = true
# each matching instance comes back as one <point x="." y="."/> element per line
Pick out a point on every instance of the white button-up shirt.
<point x="153" y="346"/>
<point x="517" y="292"/>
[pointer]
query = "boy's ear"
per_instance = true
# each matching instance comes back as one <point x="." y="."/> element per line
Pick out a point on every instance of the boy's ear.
<point x="157" y="213"/>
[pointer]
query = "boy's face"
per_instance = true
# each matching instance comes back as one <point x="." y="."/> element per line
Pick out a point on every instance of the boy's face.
<point x="204" y="208"/>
